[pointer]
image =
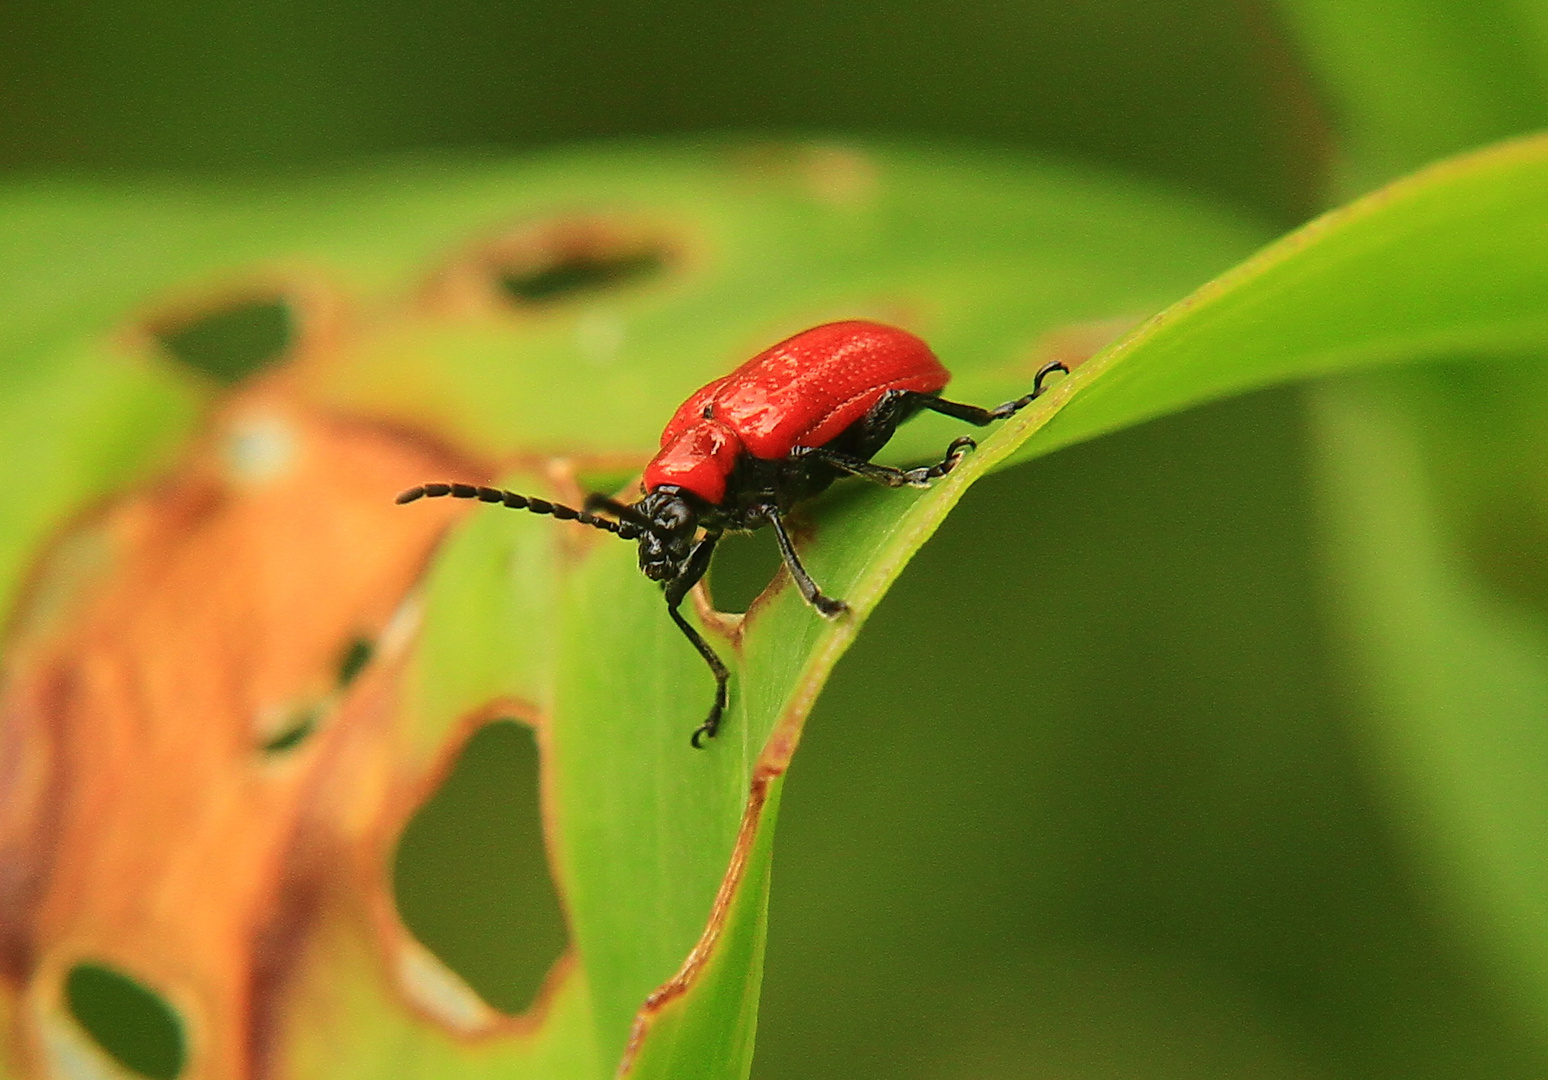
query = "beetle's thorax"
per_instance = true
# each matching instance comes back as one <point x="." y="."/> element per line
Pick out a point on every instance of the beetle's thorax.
<point x="697" y="458"/>
<point x="674" y="521"/>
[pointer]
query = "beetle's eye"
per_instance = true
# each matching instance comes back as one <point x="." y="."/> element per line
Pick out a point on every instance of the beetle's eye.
<point x="675" y="516"/>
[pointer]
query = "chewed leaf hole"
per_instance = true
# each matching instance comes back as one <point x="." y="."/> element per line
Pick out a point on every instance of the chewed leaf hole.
<point x="132" y="1023"/>
<point x="471" y="874"/>
<point x="567" y="273"/>
<point x="743" y="566"/>
<point x="295" y="731"/>
<point x="357" y="654"/>
<point x="234" y="342"/>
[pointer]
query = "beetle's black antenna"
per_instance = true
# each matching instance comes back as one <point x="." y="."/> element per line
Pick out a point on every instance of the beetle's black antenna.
<point x="621" y="511"/>
<point x="626" y="530"/>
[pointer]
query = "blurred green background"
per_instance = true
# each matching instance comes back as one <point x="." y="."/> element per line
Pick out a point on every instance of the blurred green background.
<point x="1204" y="95"/>
<point x="1090" y="796"/>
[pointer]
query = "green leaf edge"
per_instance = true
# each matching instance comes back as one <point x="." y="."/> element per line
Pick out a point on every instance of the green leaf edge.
<point x="1017" y="441"/>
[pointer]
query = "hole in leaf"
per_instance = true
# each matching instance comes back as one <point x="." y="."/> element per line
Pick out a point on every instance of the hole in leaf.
<point x="232" y="343"/>
<point x="471" y="872"/>
<point x="742" y="567"/>
<point x="357" y="654"/>
<point x="305" y="719"/>
<point x="133" y="1024"/>
<point x="302" y="723"/>
<point x="566" y="273"/>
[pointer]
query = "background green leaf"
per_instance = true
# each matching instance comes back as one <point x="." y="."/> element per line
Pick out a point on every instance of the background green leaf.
<point x="1433" y="522"/>
<point x="1192" y="827"/>
<point x="1354" y="288"/>
<point x="1415" y="80"/>
<point x="760" y="246"/>
<point x="1420" y="242"/>
<point x="644" y="827"/>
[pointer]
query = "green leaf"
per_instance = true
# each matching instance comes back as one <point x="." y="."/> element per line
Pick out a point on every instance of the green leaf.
<point x="662" y="863"/>
<point x="1447" y="259"/>
<point x="79" y="422"/>
<point x="1450" y="646"/>
<point x="396" y="290"/>
<point x="1436" y="526"/>
<point x="1410" y="81"/>
<point x="647" y="827"/>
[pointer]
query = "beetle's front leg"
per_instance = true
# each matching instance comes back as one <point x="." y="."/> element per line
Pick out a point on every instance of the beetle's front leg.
<point x="691" y="569"/>
<point x="676" y="589"/>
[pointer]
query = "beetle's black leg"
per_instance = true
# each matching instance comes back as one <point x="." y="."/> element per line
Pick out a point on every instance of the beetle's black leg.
<point x="711" y="723"/>
<point x="973" y="414"/>
<point x="880" y="474"/>
<point x="883" y="474"/>
<point x="826" y="605"/>
<point x="955" y="452"/>
<point x="693" y="569"/>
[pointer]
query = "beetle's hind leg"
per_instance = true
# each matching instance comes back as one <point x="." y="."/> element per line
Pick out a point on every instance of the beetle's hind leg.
<point x="973" y="414"/>
<point x="826" y="605"/>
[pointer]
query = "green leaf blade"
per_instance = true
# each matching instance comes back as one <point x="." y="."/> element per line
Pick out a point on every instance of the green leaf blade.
<point x="990" y="259"/>
<point x="1450" y="259"/>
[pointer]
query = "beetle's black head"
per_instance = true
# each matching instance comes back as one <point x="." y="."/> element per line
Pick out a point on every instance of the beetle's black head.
<point x="673" y="522"/>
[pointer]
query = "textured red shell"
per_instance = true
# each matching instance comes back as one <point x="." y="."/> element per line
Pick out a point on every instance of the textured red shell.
<point x="802" y="392"/>
<point x="698" y="460"/>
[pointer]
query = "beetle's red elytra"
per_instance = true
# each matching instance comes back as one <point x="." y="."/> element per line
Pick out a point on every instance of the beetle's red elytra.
<point x="742" y="451"/>
<point x="805" y="391"/>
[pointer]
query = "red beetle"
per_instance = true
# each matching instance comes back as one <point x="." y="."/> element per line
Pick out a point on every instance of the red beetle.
<point x="746" y="448"/>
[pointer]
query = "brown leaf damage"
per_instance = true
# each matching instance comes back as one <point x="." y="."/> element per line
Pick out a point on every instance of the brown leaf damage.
<point x="185" y="763"/>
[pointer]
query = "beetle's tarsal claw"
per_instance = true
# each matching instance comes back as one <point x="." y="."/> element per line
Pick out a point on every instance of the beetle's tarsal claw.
<point x="921" y="478"/>
<point x="711" y="725"/>
<point x="1051" y="368"/>
<point x="828" y="607"/>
